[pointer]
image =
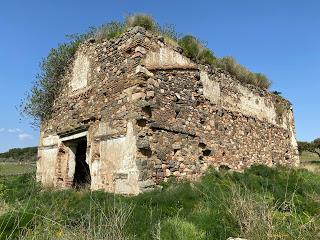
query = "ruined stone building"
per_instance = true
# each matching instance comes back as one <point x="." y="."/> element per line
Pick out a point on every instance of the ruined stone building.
<point x="134" y="111"/>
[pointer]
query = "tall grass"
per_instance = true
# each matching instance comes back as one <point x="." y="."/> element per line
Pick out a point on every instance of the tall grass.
<point x="261" y="203"/>
<point x="97" y="223"/>
<point x="259" y="218"/>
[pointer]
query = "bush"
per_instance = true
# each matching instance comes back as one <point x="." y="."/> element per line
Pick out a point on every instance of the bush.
<point x="242" y="74"/>
<point x="169" y="32"/>
<point x="191" y="47"/>
<point x="206" y="57"/>
<point x="262" y="81"/>
<point x="195" y="50"/>
<point x="110" y="30"/>
<point x="313" y="147"/>
<point x="39" y="101"/>
<point x="178" y="229"/>
<point x="141" y="20"/>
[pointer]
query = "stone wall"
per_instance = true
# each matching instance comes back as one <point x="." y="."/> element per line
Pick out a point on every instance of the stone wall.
<point x="150" y="113"/>
<point x="190" y="132"/>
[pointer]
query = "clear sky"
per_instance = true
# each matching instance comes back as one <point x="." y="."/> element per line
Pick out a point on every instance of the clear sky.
<point x="280" y="38"/>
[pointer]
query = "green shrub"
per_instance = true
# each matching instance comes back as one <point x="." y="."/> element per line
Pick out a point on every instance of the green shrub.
<point x="191" y="47"/>
<point x="169" y="32"/>
<point x="39" y="101"/>
<point x="141" y="20"/>
<point x="195" y="50"/>
<point x="179" y="229"/>
<point x="316" y="142"/>
<point x="110" y="30"/>
<point x="206" y="57"/>
<point x="313" y="146"/>
<point x="242" y="74"/>
<point x="262" y="81"/>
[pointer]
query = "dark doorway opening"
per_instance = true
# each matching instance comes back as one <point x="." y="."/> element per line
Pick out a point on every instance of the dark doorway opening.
<point x="82" y="177"/>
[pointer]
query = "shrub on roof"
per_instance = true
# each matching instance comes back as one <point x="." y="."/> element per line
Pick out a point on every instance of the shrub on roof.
<point x="168" y="31"/>
<point x="195" y="50"/>
<point x="206" y="56"/>
<point x="142" y="20"/>
<point x="191" y="47"/>
<point x="109" y="31"/>
<point x="262" y="81"/>
<point x="243" y="74"/>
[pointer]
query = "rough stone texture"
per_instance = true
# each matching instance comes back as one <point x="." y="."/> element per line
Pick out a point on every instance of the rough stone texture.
<point x="149" y="113"/>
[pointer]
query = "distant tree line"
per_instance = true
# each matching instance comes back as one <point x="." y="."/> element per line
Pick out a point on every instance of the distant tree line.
<point x="313" y="146"/>
<point x="28" y="154"/>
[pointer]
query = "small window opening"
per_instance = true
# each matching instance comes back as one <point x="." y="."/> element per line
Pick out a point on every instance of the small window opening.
<point x="129" y="51"/>
<point x="177" y="113"/>
<point x="141" y="122"/>
<point x="202" y="145"/>
<point x="146" y="152"/>
<point x="147" y="110"/>
<point x="206" y="152"/>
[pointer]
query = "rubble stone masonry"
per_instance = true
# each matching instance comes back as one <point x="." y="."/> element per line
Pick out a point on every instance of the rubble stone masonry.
<point x="149" y="113"/>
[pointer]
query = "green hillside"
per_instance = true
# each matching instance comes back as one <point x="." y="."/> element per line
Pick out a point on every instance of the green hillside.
<point x="28" y="154"/>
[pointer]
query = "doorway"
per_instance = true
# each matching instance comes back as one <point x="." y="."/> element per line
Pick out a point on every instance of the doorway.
<point x="82" y="177"/>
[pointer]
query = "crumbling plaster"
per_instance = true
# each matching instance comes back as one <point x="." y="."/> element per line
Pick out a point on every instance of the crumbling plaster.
<point x="80" y="71"/>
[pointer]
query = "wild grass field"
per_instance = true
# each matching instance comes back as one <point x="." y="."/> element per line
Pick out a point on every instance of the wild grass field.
<point x="16" y="168"/>
<point x="261" y="203"/>
<point x="309" y="156"/>
<point x="310" y="161"/>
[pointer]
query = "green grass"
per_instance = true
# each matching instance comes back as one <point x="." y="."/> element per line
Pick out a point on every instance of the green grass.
<point x="7" y="169"/>
<point x="309" y="156"/>
<point x="261" y="203"/>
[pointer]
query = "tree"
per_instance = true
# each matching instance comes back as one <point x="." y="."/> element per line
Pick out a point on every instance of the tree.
<point x="313" y="147"/>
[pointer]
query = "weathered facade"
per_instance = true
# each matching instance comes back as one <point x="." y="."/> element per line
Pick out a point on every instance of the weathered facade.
<point x="134" y="111"/>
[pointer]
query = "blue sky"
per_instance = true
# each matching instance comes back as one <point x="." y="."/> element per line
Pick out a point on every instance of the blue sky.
<point x="278" y="38"/>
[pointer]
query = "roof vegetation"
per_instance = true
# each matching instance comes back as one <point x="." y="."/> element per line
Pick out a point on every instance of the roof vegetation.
<point x="38" y="102"/>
